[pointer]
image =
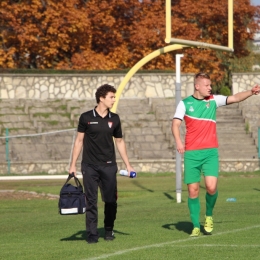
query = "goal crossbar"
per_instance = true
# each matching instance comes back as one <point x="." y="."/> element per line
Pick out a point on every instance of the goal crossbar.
<point x="201" y="44"/>
<point x="169" y="39"/>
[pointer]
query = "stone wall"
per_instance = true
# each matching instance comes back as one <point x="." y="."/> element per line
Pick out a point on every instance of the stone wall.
<point x="153" y="166"/>
<point x="82" y="86"/>
<point x="244" y="81"/>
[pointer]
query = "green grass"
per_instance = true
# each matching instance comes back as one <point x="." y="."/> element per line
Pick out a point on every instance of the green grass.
<point x="150" y="224"/>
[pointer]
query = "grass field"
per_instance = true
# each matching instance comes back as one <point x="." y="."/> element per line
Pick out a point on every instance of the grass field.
<point x="150" y="224"/>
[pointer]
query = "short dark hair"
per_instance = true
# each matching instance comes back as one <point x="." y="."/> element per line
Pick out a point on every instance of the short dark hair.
<point x="103" y="90"/>
<point x="201" y="75"/>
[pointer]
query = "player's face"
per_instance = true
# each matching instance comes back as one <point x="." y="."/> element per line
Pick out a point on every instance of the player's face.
<point x="109" y="100"/>
<point x="203" y="86"/>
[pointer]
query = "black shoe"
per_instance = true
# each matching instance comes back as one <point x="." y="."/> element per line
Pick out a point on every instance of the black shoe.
<point x="92" y="241"/>
<point x="109" y="235"/>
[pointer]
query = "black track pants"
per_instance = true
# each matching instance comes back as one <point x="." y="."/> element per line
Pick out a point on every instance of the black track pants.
<point x="95" y="176"/>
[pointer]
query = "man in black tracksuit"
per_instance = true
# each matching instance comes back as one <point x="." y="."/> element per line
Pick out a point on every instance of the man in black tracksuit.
<point x="96" y="130"/>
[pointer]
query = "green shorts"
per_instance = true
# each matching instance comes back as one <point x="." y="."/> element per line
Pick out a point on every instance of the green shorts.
<point x="203" y="161"/>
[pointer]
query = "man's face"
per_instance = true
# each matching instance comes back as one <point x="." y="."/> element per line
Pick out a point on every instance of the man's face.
<point x="203" y="86"/>
<point x="109" y="100"/>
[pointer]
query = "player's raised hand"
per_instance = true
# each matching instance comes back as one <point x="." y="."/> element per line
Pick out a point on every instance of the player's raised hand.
<point x="255" y="90"/>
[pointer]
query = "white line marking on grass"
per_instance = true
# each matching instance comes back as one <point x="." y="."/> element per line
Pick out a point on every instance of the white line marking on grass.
<point x="213" y="245"/>
<point x="168" y="243"/>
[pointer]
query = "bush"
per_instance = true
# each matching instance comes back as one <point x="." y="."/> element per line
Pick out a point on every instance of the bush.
<point x="225" y="91"/>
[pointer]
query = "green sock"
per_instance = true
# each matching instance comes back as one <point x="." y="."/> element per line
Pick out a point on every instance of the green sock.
<point x="210" y="203"/>
<point x="194" y="207"/>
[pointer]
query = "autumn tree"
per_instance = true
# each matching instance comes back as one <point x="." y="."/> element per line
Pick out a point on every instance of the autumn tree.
<point x="116" y="34"/>
<point x="41" y="33"/>
<point x="111" y="26"/>
<point x="201" y="20"/>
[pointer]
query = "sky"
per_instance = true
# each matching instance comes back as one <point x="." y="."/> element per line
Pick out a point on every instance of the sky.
<point x="255" y="2"/>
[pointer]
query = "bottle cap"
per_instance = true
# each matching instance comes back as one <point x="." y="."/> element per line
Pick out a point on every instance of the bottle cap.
<point x="132" y="175"/>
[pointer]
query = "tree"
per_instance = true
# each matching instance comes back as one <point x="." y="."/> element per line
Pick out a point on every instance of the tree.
<point x="116" y="34"/>
<point x="42" y="33"/>
<point x="110" y="22"/>
<point x="200" y="20"/>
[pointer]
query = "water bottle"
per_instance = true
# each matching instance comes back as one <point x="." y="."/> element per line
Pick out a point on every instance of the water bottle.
<point x="132" y="175"/>
<point x="125" y="173"/>
<point x="231" y="200"/>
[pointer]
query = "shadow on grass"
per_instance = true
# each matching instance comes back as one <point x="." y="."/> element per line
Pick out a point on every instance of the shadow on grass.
<point x="167" y="195"/>
<point x="184" y="226"/>
<point x="82" y="235"/>
<point x="136" y="183"/>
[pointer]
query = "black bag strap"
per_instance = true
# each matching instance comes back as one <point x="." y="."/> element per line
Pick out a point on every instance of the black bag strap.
<point x="71" y="175"/>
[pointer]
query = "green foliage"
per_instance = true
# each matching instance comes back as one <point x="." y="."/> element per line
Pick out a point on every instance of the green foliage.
<point x="45" y="115"/>
<point x="149" y="225"/>
<point x="225" y="91"/>
<point x="244" y="63"/>
<point x="53" y="122"/>
<point x="247" y="127"/>
<point x="63" y="107"/>
<point x="19" y="108"/>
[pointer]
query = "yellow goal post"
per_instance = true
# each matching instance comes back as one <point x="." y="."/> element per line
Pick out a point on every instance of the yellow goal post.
<point x="169" y="39"/>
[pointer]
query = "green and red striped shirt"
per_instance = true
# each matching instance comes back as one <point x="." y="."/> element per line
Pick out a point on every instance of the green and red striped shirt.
<point x="200" y="118"/>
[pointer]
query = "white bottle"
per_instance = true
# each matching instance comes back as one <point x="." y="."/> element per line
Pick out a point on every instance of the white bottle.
<point x="123" y="172"/>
